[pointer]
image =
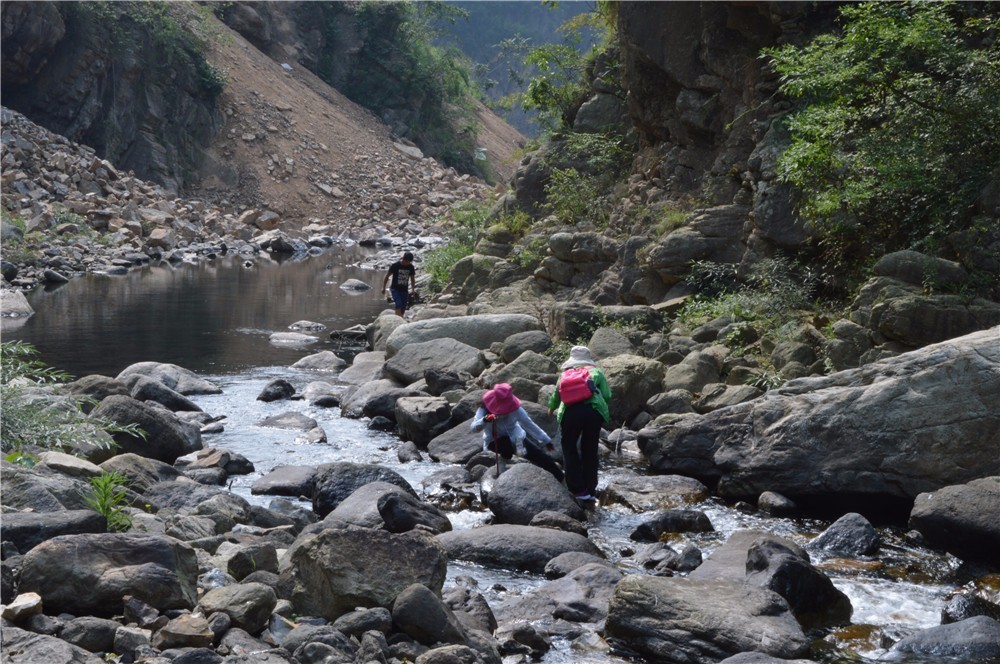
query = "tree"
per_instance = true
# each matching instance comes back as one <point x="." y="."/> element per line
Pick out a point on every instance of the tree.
<point x="899" y="131"/>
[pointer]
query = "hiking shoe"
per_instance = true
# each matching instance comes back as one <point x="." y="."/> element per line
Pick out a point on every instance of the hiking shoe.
<point x="584" y="496"/>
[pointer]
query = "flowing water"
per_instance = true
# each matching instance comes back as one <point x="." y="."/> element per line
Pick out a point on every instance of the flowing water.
<point x="215" y="318"/>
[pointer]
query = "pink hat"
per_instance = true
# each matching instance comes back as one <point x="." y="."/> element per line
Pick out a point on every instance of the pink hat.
<point x="501" y="400"/>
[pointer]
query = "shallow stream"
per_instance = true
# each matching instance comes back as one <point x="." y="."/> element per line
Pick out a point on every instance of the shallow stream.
<point x="215" y="318"/>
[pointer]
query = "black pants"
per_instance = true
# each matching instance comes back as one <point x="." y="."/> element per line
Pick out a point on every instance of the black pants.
<point x="581" y="432"/>
<point x="531" y="453"/>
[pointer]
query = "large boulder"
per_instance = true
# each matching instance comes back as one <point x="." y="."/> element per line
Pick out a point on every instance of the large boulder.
<point x="89" y="574"/>
<point x="41" y="489"/>
<point x="525" y="490"/>
<point x="934" y="412"/>
<point x="248" y="605"/>
<point x="420" y="419"/>
<point x="361" y="507"/>
<point x="476" y="331"/>
<point x="685" y="620"/>
<point x="408" y="364"/>
<point x="144" y="388"/>
<point x="972" y="640"/>
<point x="961" y="519"/>
<point x="286" y="481"/>
<point x="176" y="378"/>
<point x="28" y="529"/>
<point x="376" y="397"/>
<point x="456" y="445"/>
<point x="141" y="472"/>
<point x="514" y="547"/>
<point x="24" y="647"/>
<point x="336" y="571"/>
<point x="632" y="380"/>
<point x="421" y="614"/>
<point x="336" y="481"/>
<point x="645" y="493"/>
<point x="166" y="436"/>
<point x="582" y="595"/>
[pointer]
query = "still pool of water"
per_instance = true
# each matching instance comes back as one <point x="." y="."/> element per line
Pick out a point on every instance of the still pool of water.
<point x="213" y="316"/>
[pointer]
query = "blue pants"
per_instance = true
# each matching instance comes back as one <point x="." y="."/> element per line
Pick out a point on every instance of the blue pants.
<point x="399" y="298"/>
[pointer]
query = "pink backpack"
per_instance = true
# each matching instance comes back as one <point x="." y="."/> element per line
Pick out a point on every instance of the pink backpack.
<point x="576" y="385"/>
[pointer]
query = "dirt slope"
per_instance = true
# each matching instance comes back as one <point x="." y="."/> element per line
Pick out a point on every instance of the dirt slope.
<point x="294" y="145"/>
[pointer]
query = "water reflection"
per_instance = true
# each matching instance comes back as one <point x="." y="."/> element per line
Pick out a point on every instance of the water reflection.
<point x="211" y="317"/>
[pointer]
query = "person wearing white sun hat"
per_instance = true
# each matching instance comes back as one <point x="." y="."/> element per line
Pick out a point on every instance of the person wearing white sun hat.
<point x="581" y="421"/>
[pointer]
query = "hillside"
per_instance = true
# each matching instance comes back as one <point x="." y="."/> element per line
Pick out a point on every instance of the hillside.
<point x="276" y="137"/>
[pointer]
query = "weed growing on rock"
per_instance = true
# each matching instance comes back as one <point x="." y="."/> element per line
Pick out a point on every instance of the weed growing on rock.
<point x="107" y="496"/>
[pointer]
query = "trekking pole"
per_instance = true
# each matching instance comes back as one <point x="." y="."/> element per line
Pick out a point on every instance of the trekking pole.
<point x="496" y="447"/>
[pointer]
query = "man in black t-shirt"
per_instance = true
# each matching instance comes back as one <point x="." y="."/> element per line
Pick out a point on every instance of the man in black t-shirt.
<point x="404" y="282"/>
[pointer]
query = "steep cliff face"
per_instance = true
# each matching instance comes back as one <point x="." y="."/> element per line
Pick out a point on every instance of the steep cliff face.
<point x="699" y="93"/>
<point x="81" y="70"/>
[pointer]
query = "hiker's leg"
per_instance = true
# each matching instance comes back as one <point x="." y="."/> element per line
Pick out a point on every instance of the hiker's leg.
<point x="399" y="301"/>
<point x="572" y="427"/>
<point x="589" y="441"/>
<point x="542" y="460"/>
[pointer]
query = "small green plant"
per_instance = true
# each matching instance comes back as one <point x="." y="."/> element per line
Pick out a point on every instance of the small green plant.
<point x="470" y="220"/>
<point x="107" y="496"/>
<point x="530" y="253"/>
<point x="767" y="380"/>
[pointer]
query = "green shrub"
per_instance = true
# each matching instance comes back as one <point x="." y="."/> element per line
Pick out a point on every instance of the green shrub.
<point x="29" y="420"/>
<point x="900" y="125"/>
<point x="471" y="219"/>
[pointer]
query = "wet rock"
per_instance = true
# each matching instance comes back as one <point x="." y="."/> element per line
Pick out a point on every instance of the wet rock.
<point x="277" y="390"/>
<point x="672" y="521"/>
<point x="324" y="360"/>
<point x="966" y="605"/>
<point x="961" y="519"/>
<point x="292" y="481"/>
<point x="973" y="639"/>
<point x="525" y="490"/>
<point x="336" y="481"/>
<point x="408" y="452"/>
<point x="559" y="521"/>
<point x="335" y="571"/>
<point x="513" y="546"/>
<point x="851" y="535"/>
<point x="775" y="504"/>
<point x="469" y="605"/>
<point x="682" y="620"/>
<point x="565" y="563"/>
<point x="89" y="574"/>
<point x="644" y="493"/>
<point x="290" y="420"/>
<point x="582" y="595"/>
<point x="375" y="398"/>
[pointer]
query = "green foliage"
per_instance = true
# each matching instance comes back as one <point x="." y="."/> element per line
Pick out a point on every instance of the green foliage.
<point x="529" y="255"/>
<point x="107" y="496"/>
<point x="770" y="296"/>
<point x="559" y="81"/>
<point x="584" y="194"/>
<point x="409" y="80"/>
<point x="900" y="125"/>
<point x="471" y="220"/>
<point x="31" y="420"/>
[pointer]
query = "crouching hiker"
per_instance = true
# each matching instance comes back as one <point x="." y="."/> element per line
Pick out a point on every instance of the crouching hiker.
<point x="506" y="427"/>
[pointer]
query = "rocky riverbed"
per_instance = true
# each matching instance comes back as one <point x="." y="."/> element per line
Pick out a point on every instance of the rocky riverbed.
<point x="287" y="527"/>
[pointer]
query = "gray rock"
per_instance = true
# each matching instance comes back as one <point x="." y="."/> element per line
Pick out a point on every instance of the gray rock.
<point x="68" y="464"/>
<point x="248" y="605"/>
<point x="456" y="445"/>
<point x="176" y="378"/>
<point x="167" y="437"/>
<point x="89" y="574"/>
<point x="186" y="631"/>
<point x="961" y="519"/>
<point x="645" y="493"/>
<point x="477" y="331"/>
<point x="325" y="360"/>
<point x="28" y="529"/>
<point x="377" y="397"/>
<point x="685" y="620"/>
<point x="359" y="621"/>
<point x="277" y="390"/>
<point x="243" y="559"/>
<point x="96" y="387"/>
<point x="694" y="372"/>
<point x="920" y="269"/>
<point x="141" y="471"/>
<point x="935" y="412"/>
<point x="717" y="395"/>
<point x="365" y="367"/>
<point x="402" y="512"/>
<point x="179" y="496"/>
<point x="89" y="633"/>
<point x="328" y="635"/>
<point x="559" y="521"/>
<point x="335" y="571"/>
<point x="423" y="616"/>
<point x="565" y="563"/>
<point x="519" y="494"/>
<point x="420" y="419"/>
<point x="408" y="364"/>
<point x="144" y="388"/>
<point x="582" y="595"/>
<point x="292" y="481"/>
<point x="336" y="481"/>
<point x="632" y="380"/>
<point x="851" y="536"/>
<point x="513" y="346"/>
<point x="361" y="507"/>
<point x="972" y="640"/>
<point x="290" y="420"/>
<point x="22" y="647"/>
<point x="513" y="546"/>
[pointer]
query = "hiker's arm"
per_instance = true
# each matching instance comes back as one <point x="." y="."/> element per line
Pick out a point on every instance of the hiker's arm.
<point x="534" y="431"/>
<point x="479" y="420"/>
<point x="554" y="400"/>
<point x="601" y="382"/>
<point x="413" y="281"/>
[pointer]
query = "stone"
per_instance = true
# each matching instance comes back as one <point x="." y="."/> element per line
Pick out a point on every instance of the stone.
<point x="672" y="521"/>
<point x="525" y="490"/>
<point x="423" y="616"/>
<point x="971" y="640"/>
<point x="141" y="471"/>
<point x="336" y="481"/>
<point x="144" y="388"/>
<point x="277" y="390"/>
<point x="292" y="481"/>
<point x="479" y="331"/>
<point x="325" y="360"/>
<point x="420" y="419"/>
<point x="89" y="633"/>
<point x="176" y="378"/>
<point x="22" y="606"/>
<point x="23" y="646"/>
<point x="28" y="529"/>
<point x="961" y="519"/>
<point x="513" y="547"/>
<point x="645" y="493"/>
<point x="359" y="621"/>
<point x="248" y="605"/>
<point x="408" y="364"/>
<point x="850" y="536"/>
<point x="167" y="437"/>
<point x="69" y="464"/>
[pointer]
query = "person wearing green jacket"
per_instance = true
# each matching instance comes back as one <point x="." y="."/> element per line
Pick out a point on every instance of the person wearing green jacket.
<point x="581" y="424"/>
